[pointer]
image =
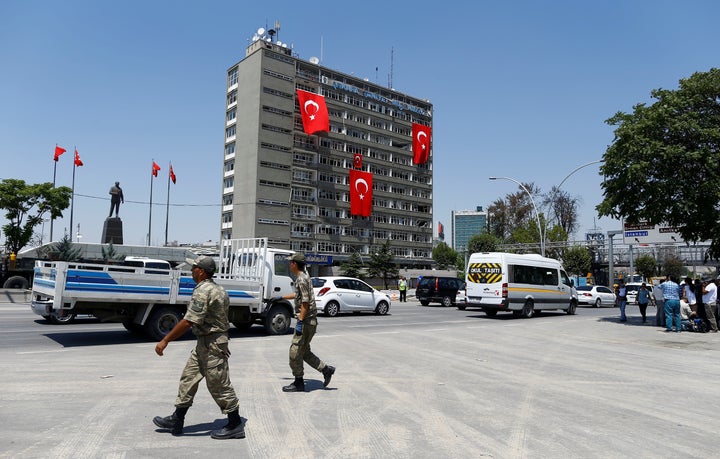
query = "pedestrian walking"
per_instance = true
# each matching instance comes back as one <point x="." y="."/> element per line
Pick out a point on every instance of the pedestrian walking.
<point x="207" y="315"/>
<point x="305" y="328"/>
<point x="643" y="298"/>
<point x="402" y="286"/>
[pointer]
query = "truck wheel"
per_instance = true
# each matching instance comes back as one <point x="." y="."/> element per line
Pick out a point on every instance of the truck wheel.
<point x="55" y="319"/>
<point x="277" y="321"/>
<point x="16" y="282"/>
<point x="161" y="322"/>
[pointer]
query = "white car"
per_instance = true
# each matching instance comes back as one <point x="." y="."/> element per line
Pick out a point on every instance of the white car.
<point x="347" y="294"/>
<point x="595" y="295"/>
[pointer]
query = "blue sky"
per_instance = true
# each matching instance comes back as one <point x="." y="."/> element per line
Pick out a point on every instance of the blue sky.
<point x="520" y="89"/>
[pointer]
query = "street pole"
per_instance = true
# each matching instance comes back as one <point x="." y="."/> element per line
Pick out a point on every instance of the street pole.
<point x="537" y="214"/>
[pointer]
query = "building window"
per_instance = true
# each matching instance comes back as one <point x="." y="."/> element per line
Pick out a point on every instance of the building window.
<point x="230" y="132"/>
<point x="229" y="165"/>
<point x="231" y="115"/>
<point x="230" y="149"/>
<point x="231" y="98"/>
<point x="233" y="77"/>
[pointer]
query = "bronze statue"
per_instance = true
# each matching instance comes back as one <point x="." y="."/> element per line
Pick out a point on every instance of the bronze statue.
<point x="116" y="197"/>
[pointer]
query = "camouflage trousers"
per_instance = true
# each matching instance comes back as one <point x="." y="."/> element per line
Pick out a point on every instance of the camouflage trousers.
<point x="300" y="350"/>
<point x="208" y="360"/>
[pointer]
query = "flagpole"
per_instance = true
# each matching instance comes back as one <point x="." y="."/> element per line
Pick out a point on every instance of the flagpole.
<point x="52" y="219"/>
<point x="72" y="203"/>
<point x="167" y="207"/>
<point x="150" y="216"/>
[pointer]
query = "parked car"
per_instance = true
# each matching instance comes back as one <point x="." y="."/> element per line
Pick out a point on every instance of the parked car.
<point x="346" y="294"/>
<point x="632" y="291"/>
<point x="595" y="295"/>
<point x="443" y="290"/>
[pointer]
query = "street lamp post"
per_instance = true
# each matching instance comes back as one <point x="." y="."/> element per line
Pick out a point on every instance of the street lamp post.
<point x="537" y="214"/>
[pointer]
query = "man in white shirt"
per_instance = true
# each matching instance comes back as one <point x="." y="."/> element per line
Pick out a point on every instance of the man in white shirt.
<point x="709" y="298"/>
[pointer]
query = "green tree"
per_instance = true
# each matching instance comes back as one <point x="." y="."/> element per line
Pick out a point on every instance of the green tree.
<point x="109" y="254"/>
<point x="381" y="264"/>
<point x="673" y="266"/>
<point x="662" y="166"/>
<point x="483" y="242"/>
<point x="577" y="260"/>
<point x="64" y="250"/>
<point x="25" y="205"/>
<point x="353" y="267"/>
<point x="444" y="255"/>
<point x="645" y="265"/>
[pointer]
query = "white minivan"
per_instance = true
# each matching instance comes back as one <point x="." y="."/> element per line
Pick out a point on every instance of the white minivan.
<point x="523" y="284"/>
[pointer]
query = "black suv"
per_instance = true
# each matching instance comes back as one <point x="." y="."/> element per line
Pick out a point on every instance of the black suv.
<point x="441" y="290"/>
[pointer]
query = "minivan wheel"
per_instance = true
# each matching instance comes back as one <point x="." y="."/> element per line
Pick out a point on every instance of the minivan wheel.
<point x="572" y="308"/>
<point x="528" y="309"/>
<point x="447" y="301"/>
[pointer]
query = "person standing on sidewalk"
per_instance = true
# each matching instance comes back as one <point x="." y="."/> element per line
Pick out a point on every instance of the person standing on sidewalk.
<point x="622" y="299"/>
<point x="709" y="298"/>
<point x="671" y="297"/>
<point x="207" y="315"/>
<point x="402" y="286"/>
<point x="305" y="328"/>
<point x="643" y="298"/>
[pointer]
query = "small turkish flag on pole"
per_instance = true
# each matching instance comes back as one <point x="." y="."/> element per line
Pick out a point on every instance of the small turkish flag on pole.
<point x="172" y="174"/>
<point x="357" y="160"/>
<point x="360" y="193"/>
<point x="155" y="169"/>
<point x="314" y="112"/>
<point x="58" y="151"/>
<point x="78" y="162"/>
<point x="420" y="143"/>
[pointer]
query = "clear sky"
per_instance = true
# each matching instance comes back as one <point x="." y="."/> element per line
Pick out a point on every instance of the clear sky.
<point x="520" y="89"/>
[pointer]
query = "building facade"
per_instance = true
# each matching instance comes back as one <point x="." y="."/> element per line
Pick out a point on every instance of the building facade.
<point x="293" y="188"/>
<point x="465" y="225"/>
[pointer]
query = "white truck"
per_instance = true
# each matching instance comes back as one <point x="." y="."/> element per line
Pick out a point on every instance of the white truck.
<point x="150" y="301"/>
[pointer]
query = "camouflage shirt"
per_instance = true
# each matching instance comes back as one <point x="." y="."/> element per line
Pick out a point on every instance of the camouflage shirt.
<point x="304" y="294"/>
<point x="208" y="309"/>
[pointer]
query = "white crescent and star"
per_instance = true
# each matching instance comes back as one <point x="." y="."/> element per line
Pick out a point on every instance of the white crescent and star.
<point x="421" y="140"/>
<point x="361" y="181"/>
<point x="313" y="103"/>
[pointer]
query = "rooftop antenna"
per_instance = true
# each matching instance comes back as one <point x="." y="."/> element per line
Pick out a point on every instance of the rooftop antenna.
<point x="390" y="75"/>
<point x="321" y="48"/>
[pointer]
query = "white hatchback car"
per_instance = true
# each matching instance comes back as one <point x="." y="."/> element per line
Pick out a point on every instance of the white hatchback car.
<point x="347" y="294"/>
<point x="595" y="295"/>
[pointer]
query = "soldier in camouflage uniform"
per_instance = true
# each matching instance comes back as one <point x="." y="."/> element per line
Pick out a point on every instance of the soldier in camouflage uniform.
<point x="207" y="315"/>
<point x="305" y="328"/>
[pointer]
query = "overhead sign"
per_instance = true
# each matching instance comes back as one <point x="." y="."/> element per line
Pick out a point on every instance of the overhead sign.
<point x="644" y="233"/>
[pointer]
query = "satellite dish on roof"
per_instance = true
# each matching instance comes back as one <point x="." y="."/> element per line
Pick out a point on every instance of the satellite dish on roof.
<point x="279" y="43"/>
<point x="255" y="37"/>
<point x="261" y="31"/>
<point x="314" y="60"/>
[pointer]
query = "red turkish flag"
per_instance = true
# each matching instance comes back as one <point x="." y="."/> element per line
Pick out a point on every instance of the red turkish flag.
<point x="155" y="169"/>
<point x="58" y="151"/>
<point x="420" y="143"/>
<point x="360" y="193"/>
<point x="172" y="174"/>
<point x="314" y="112"/>
<point x="357" y="160"/>
<point x="78" y="162"/>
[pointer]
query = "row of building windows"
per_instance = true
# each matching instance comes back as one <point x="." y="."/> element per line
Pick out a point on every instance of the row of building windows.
<point x="280" y="76"/>
<point x="277" y="111"/>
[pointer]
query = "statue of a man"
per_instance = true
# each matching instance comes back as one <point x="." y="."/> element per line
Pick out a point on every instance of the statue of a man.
<point x="116" y="197"/>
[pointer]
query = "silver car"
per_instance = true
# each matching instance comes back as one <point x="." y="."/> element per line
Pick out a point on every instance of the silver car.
<point x="347" y="294"/>
<point x="595" y="295"/>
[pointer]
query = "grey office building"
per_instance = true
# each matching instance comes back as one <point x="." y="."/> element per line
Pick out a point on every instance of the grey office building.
<point x="465" y="225"/>
<point x="293" y="188"/>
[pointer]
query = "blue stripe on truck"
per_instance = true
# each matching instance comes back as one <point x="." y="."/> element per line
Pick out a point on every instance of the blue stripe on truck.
<point x="86" y="287"/>
<point x="98" y="277"/>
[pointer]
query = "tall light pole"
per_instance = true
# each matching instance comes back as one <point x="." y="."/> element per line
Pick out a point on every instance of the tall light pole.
<point x="537" y="214"/>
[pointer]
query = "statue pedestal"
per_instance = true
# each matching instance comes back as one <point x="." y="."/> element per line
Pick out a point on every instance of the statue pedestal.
<point x="112" y="231"/>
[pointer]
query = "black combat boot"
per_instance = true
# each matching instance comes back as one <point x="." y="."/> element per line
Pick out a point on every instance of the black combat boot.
<point x="174" y="422"/>
<point x="297" y="386"/>
<point x="233" y="429"/>
<point x="328" y="373"/>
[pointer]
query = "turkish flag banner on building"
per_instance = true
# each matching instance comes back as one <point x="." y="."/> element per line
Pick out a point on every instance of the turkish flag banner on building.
<point x="420" y="143"/>
<point x="357" y="160"/>
<point x="58" y="151"/>
<point x="172" y="174"/>
<point x="360" y="193"/>
<point x="78" y="162"/>
<point x="155" y="169"/>
<point x="314" y="112"/>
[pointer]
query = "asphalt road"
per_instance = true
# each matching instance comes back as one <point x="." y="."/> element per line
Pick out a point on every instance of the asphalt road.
<point x="422" y="382"/>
